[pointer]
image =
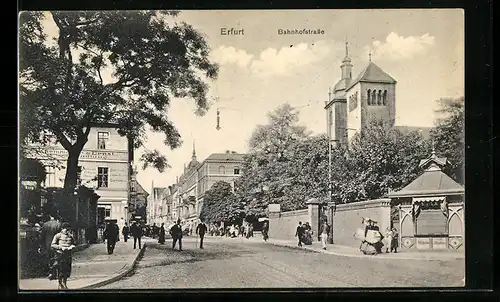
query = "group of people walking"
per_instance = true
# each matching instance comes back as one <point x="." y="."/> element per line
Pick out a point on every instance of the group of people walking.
<point x="304" y="234"/>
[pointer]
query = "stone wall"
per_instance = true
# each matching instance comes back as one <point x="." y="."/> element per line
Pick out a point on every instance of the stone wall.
<point x="348" y="217"/>
<point x="283" y="225"/>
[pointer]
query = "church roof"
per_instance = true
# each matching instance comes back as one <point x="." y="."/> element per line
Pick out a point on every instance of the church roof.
<point x="341" y="85"/>
<point x="372" y="73"/>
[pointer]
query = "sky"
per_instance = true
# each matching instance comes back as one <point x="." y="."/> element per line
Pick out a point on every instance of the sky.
<point x="259" y="70"/>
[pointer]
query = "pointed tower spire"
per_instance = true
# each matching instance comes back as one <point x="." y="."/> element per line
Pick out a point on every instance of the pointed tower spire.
<point x="346" y="47"/>
<point x="194" y="151"/>
<point x="346" y="66"/>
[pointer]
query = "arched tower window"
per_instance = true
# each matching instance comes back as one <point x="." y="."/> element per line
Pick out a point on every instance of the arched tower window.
<point x="368" y="95"/>
<point x="379" y="97"/>
<point x="374" y="97"/>
<point x="384" y="98"/>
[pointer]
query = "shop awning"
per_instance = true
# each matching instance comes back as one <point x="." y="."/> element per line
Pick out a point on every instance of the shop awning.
<point x="428" y="199"/>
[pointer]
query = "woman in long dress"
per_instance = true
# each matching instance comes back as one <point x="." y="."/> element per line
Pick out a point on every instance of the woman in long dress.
<point x="368" y="245"/>
<point x="161" y="237"/>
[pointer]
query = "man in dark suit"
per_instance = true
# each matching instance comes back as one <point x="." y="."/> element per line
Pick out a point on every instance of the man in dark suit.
<point x="201" y="229"/>
<point x="176" y="232"/>
<point x="300" y="232"/>
<point x="136" y="231"/>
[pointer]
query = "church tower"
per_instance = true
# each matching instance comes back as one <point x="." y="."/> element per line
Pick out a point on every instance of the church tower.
<point x="353" y="104"/>
<point x="336" y="106"/>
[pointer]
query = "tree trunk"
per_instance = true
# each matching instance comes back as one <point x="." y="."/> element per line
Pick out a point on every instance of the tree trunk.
<point x="71" y="177"/>
<point x="68" y="208"/>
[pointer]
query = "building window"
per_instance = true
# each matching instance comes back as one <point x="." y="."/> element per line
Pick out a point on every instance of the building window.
<point x="236" y="171"/>
<point x="102" y="177"/>
<point x="374" y="97"/>
<point x="50" y="178"/>
<point x="384" y="98"/>
<point x="222" y="170"/>
<point x="368" y="97"/>
<point x="102" y="139"/>
<point x="330" y="117"/>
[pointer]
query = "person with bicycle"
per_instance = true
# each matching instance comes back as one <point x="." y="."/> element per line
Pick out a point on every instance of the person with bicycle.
<point x="63" y="243"/>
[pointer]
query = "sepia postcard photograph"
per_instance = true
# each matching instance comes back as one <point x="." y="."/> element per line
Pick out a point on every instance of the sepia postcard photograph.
<point x="241" y="149"/>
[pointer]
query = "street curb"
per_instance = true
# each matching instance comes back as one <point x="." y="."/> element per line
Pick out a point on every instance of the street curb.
<point x="120" y="275"/>
<point x="362" y="255"/>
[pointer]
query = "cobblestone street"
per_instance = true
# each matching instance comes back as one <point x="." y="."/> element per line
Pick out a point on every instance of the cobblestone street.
<point x="253" y="264"/>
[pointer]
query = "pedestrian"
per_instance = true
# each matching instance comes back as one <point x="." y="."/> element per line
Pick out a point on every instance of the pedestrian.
<point x="137" y="232"/>
<point x="111" y="234"/>
<point x="161" y="234"/>
<point x="63" y="243"/>
<point x="300" y="233"/>
<point x="250" y="230"/>
<point x="395" y="240"/>
<point x="153" y="231"/>
<point x="126" y="232"/>
<point x="49" y="229"/>
<point x="388" y="239"/>
<point x="201" y="229"/>
<point x="265" y="231"/>
<point x="325" y="229"/>
<point x="176" y="233"/>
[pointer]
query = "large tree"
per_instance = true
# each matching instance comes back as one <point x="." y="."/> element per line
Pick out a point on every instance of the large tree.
<point x="63" y="90"/>
<point x="286" y="159"/>
<point x="449" y="136"/>
<point x="220" y="204"/>
<point x="381" y="159"/>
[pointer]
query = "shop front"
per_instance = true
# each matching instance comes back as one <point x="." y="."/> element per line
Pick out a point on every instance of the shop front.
<point x="431" y="209"/>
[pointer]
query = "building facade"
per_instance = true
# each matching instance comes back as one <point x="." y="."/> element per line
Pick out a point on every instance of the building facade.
<point x="105" y="164"/>
<point x="184" y="199"/>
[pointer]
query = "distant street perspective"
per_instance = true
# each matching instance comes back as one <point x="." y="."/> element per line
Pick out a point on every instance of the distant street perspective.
<point x="169" y="150"/>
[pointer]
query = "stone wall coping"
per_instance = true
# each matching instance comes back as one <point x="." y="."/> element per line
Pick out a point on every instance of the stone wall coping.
<point x="382" y="202"/>
<point x="294" y="213"/>
<point x="313" y="201"/>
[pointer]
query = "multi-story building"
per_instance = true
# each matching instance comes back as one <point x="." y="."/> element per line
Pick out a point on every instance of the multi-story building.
<point x="105" y="164"/>
<point x="156" y="204"/>
<point x="184" y="199"/>
<point x="198" y="178"/>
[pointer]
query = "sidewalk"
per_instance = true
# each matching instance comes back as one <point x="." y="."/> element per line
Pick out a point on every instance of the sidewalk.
<point x="93" y="267"/>
<point x="348" y="251"/>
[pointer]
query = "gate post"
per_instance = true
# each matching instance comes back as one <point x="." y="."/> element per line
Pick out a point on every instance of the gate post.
<point x="313" y="213"/>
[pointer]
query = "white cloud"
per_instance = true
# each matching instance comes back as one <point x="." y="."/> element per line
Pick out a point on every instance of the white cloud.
<point x="397" y="47"/>
<point x="285" y="60"/>
<point x="230" y="55"/>
<point x="271" y="61"/>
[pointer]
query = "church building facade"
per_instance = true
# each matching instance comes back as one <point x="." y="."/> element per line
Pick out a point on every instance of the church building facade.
<point x="353" y="103"/>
